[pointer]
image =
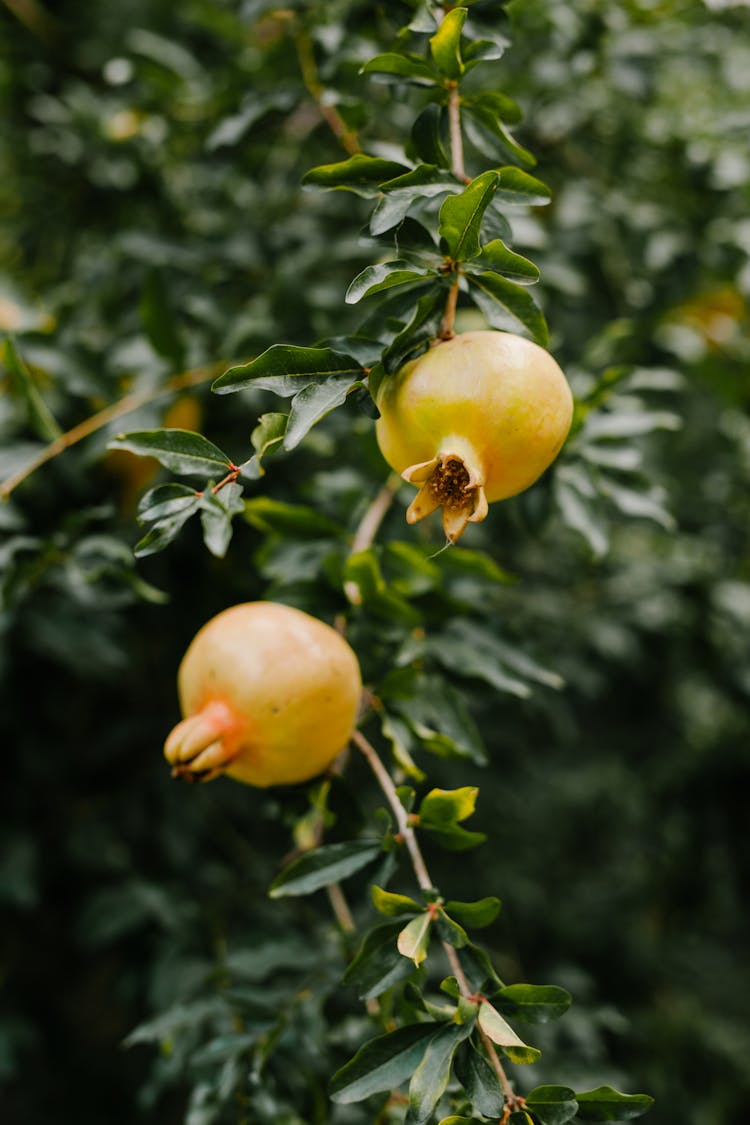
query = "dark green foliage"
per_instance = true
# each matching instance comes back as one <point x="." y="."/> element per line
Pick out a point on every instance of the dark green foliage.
<point x="581" y="662"/>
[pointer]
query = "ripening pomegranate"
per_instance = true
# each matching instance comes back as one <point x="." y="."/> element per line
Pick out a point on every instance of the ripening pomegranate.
<point x="477" y="418"/>
<point x="270" y="696"/>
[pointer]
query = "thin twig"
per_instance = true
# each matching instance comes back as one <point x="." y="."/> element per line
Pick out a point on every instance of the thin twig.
<point x="316" y="90"/>
<point x="409" y="838"/>
<point x="368" y="528"/>
<point x="446" y="331"/>
<point x="98" y="421"/>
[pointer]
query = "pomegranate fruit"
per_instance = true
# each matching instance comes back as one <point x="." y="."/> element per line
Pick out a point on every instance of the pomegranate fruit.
<point x="475" y="419"/>
<point x="270" y="696"/>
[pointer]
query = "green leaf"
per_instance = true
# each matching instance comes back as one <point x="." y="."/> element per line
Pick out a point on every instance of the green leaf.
<point x="552" y="1105"/>
<point x="448" y="806"/>
<point x="164" y="531"/>
<point x="40" y="417"/>
<point x="181" y="451"/>
<point x="420" y="328"/>
<point x="286" y="369"/>
<point x="159" y="320"/>
<point x="393" y="904"/>
<point x="292" y="520"/>
<point x="496" y="256"/>
<point x="460" y="221"/>
<point x="516" y="187"/>
<point x="383" y="1063"/>
<point x="604" y="426"/>
<point x="167" y="500"/>
<point x="502" y="1034"/>
<point x="359" y="173"/>
<point x="480" y="1082"/>
<point x="424" y="182"/>
<point x="427" y="137"/>
<point x="378" y="963"/>
<point x="533" y="1002"/>
<point x="575" y="498"/>
<point x="479" y="970"/>
<point x="265" y="439"/>
<point x="217" y="512"/>
<point x="506" y="305"/>
<point x="445" y="44"/>
<point x="313" y="403"/>
<point x="475" y="914"/>
<point x="450" y="931"/>
<point x="496" y="103"/>
<point x="438" y="715"/>
<point x="323" y="866"/>
<point x="431" y="1077"/>
<point x="400" y="66"/>
<point x="385" y="275"/>
<point x="414" y="938"/>
<point x="474" y="651"/>
<point x="478" y="114"/>
<point x="606" y="1104"/>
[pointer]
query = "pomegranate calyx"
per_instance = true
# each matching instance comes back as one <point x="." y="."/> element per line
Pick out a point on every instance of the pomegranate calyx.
<point x="448" y="483"/>
<point x="196" y="747"/>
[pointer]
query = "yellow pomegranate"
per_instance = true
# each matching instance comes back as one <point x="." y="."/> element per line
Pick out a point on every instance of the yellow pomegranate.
<point x="475" y="419"/>
<point x="270" y="696"/>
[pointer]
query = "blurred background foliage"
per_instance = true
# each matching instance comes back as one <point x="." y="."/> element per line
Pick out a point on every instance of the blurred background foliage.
<point x="152" y="223"/>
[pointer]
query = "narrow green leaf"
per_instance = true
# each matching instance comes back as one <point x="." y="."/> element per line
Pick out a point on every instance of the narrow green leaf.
<point x="475" y="914"/>
<point x="501" y="1033"/>
<point x="400" y="66"/>
<point x="552" y="1105"/>
<point x="181" y="451"/>
<point x="323" y="866"/>
<point x="454" y="838"/>
<point x="312" y="404"/>
<point x="450" y="931"/>
<point x="265" y="439"/>
<point x="448" y="806"/>
<point x="378" y="963"/>
<point x="286" y="369"/>
<point x="479" y="970"/>
<point x="385" y="275"/>
<point x="496" y="256"/>
<point x="39" y="414"/>
<point x="606" y="1104"/>
<point x="431" y="1077"/>
<point x="489" y="124"/>
<point x="422" y="325"/>
<point x="383" y="1063"/>
<point x="517" y="187"/>
<point x="217" y="512"/>
<point x="359" y="173"/>
<point x="290" y="520"/>
<point x="166" y="500"/>
<point x="393" y="904"/>
<point x="506" y="305"/>
<point x="445" y="44"/>
<point x="629" y="423"/>
<point x="427" y="137"/>
<point x="414" y="939"/>
<point x="534" y="1003"/>
<point x="480" y="653"/>
<point x="496" y="103"/>
<point x="460" y="220"/>
<point x="163" y="532"/>
<point x="480" y="1082"/>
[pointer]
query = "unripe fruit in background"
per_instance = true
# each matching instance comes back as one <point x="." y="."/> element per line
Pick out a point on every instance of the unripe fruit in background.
<point x="475" y="419"/>
<point x="270" y="696"/>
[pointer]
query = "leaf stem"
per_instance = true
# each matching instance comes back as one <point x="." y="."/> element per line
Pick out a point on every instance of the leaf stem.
<point x="447" y="331"/>
<point x="126" y="405"/>
<point x="425" y="882"/>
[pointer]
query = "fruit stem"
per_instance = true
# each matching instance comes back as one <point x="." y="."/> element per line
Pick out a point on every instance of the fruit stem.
<point x="407" y="834"/>
<point x="446" y="331"/>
